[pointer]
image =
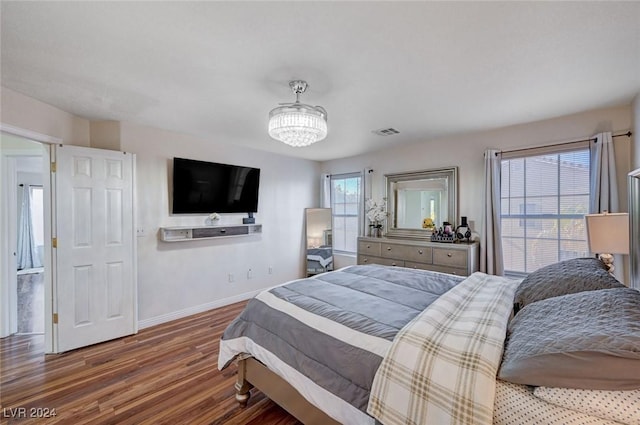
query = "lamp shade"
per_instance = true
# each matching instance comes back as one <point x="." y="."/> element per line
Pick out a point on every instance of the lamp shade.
<point x="608" y="233"/>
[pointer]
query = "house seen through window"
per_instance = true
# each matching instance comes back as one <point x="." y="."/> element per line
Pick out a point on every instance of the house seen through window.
<point x="346" y="190"/>
<point x="543" y="202"/>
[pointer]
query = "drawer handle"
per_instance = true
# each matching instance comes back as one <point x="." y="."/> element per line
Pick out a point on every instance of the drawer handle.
<point x="368" y="246"/>
<point x="388" y="248"/>
<point x="420" y="251"/>
<point x="393" y="264"/>
<point x="365" y="260"/>
<point x="449" y="254"/>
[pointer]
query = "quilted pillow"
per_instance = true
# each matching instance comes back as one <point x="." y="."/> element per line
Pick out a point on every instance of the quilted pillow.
<point x="588" y="340"/>
<point x="620" y="406"/>
<point x="565" y="277"/>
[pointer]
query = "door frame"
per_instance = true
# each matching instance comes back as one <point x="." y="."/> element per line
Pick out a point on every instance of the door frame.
<point x="8" y="228"/>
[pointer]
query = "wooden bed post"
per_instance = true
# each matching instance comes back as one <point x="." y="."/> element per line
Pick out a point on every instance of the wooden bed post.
<point x="242" y="386"/>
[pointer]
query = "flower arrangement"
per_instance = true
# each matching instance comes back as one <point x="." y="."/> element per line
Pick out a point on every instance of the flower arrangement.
<point x="376" y="210"/>
<point x="376" y="213"/>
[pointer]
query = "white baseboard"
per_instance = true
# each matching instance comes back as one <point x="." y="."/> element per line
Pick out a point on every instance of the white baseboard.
<point x="158" y="320"/>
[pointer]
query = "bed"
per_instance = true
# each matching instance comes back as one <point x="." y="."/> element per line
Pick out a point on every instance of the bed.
<point x="375" y="344"/>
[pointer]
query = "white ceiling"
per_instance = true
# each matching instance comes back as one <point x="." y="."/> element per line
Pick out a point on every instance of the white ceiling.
<point x="428" y="69"/>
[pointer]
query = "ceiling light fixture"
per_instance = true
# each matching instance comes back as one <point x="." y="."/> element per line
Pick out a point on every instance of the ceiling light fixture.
<point x="297" y="124"/>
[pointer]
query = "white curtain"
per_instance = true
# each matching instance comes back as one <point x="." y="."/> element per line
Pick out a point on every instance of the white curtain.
<point x="367" y="193"/>
<point x="325" y="191"/>
<point x="603" y="183"/>
<point x="28" y="257"/>
<point x="491" y="260"/>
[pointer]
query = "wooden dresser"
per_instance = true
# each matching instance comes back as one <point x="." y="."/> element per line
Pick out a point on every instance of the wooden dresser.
<point x="460" y="259"/>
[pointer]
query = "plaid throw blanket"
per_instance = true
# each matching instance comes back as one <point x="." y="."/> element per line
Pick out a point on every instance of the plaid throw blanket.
<point x="441" y="368"/>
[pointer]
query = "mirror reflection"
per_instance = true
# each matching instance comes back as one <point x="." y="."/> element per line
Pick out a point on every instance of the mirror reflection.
<point x="421" y="201"/>
<point x="319" y="240"/>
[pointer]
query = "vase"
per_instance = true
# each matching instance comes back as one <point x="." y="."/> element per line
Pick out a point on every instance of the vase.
<point x="377" y="232"/>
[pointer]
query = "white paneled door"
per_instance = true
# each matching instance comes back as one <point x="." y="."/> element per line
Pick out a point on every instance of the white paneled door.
<point x="94" y="246"/>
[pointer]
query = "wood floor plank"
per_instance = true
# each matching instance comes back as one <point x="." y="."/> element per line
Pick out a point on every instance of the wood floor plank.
<point x="166" y="374"/>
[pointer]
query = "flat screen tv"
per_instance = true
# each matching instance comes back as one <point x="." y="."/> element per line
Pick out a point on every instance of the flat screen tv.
<point x="207" y="187"/>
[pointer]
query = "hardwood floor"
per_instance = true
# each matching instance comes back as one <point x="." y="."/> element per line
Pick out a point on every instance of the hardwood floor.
<point x="166" y="374"/>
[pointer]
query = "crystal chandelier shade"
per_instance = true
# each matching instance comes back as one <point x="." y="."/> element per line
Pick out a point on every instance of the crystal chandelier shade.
<point x="297" y="124"/>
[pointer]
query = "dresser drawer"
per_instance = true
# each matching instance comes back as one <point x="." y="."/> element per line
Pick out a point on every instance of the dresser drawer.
<point x="419" y="254"/>
<point x="369" y="248"/>
<point x="363" y="259"/>
<point x="450" y="270"/>
<point x="416" y="265"/>
<point x="449" y="257"/>
<point x="395" y="251"/>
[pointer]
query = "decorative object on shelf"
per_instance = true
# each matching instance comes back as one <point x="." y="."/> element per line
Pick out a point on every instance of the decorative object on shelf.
<point x="463" y="232"/>
<point x="444" y="234"/>
<point x="250" y="219"/>
<point x="297" y="124"/>
<point x="213" y="219"/>
<point x="377" y="214"/>
<point x="428" y="223"/>
<point x="607" y="234"/>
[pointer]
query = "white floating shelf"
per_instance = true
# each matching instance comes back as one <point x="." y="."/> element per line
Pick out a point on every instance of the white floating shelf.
<point x="191" y="233"/>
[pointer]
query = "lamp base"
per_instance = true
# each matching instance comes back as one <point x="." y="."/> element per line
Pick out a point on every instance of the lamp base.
<point x="607" y="259"/>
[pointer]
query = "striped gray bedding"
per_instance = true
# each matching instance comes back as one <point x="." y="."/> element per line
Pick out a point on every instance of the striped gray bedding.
<point x="336" y="327"/>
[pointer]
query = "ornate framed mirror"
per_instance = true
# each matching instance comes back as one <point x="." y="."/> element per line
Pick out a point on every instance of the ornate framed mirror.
<point x="415" y="196"/>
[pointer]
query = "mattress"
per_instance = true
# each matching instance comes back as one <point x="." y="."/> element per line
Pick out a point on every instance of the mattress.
<point x="327" y="335"/>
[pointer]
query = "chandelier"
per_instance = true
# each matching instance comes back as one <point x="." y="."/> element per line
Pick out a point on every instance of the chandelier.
<point x="297" y="124"/>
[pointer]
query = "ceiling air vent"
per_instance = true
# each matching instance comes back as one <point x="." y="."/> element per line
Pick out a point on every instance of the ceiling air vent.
<point x="386" y="131"/>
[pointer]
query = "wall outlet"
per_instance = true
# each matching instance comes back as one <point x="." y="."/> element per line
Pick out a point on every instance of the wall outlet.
<point x="231" y="278"/>
<point x="140" y="232"/>
<point x="270" y="269"/>
<point x="249" y="274"/>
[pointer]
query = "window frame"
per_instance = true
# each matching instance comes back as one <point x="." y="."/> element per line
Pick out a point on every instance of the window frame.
<point x="334" y="214"/>
<point x="555" y="150"/>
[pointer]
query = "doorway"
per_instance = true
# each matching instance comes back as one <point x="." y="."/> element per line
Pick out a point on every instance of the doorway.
<point x="23" y="280"/>
<point x="89" y="244"/>
<point x="30" y="245"/>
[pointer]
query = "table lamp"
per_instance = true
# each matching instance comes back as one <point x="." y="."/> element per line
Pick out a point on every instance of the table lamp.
<point x="607" y="234"/>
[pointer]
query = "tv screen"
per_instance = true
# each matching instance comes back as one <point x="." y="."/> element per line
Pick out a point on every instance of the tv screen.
<point x="207" y="187"/>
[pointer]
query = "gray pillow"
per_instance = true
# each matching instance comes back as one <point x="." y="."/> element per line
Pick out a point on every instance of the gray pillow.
<point x="588" y="340"/>
<point x="565" y="277"/>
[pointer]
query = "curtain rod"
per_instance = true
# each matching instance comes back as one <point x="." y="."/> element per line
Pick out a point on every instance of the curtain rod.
<point x="591" y="139"/>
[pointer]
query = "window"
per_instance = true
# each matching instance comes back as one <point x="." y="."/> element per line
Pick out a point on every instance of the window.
<point x="543" y="202"/>
<point x="346" y="190"/>
<point x="37" y="214"/>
